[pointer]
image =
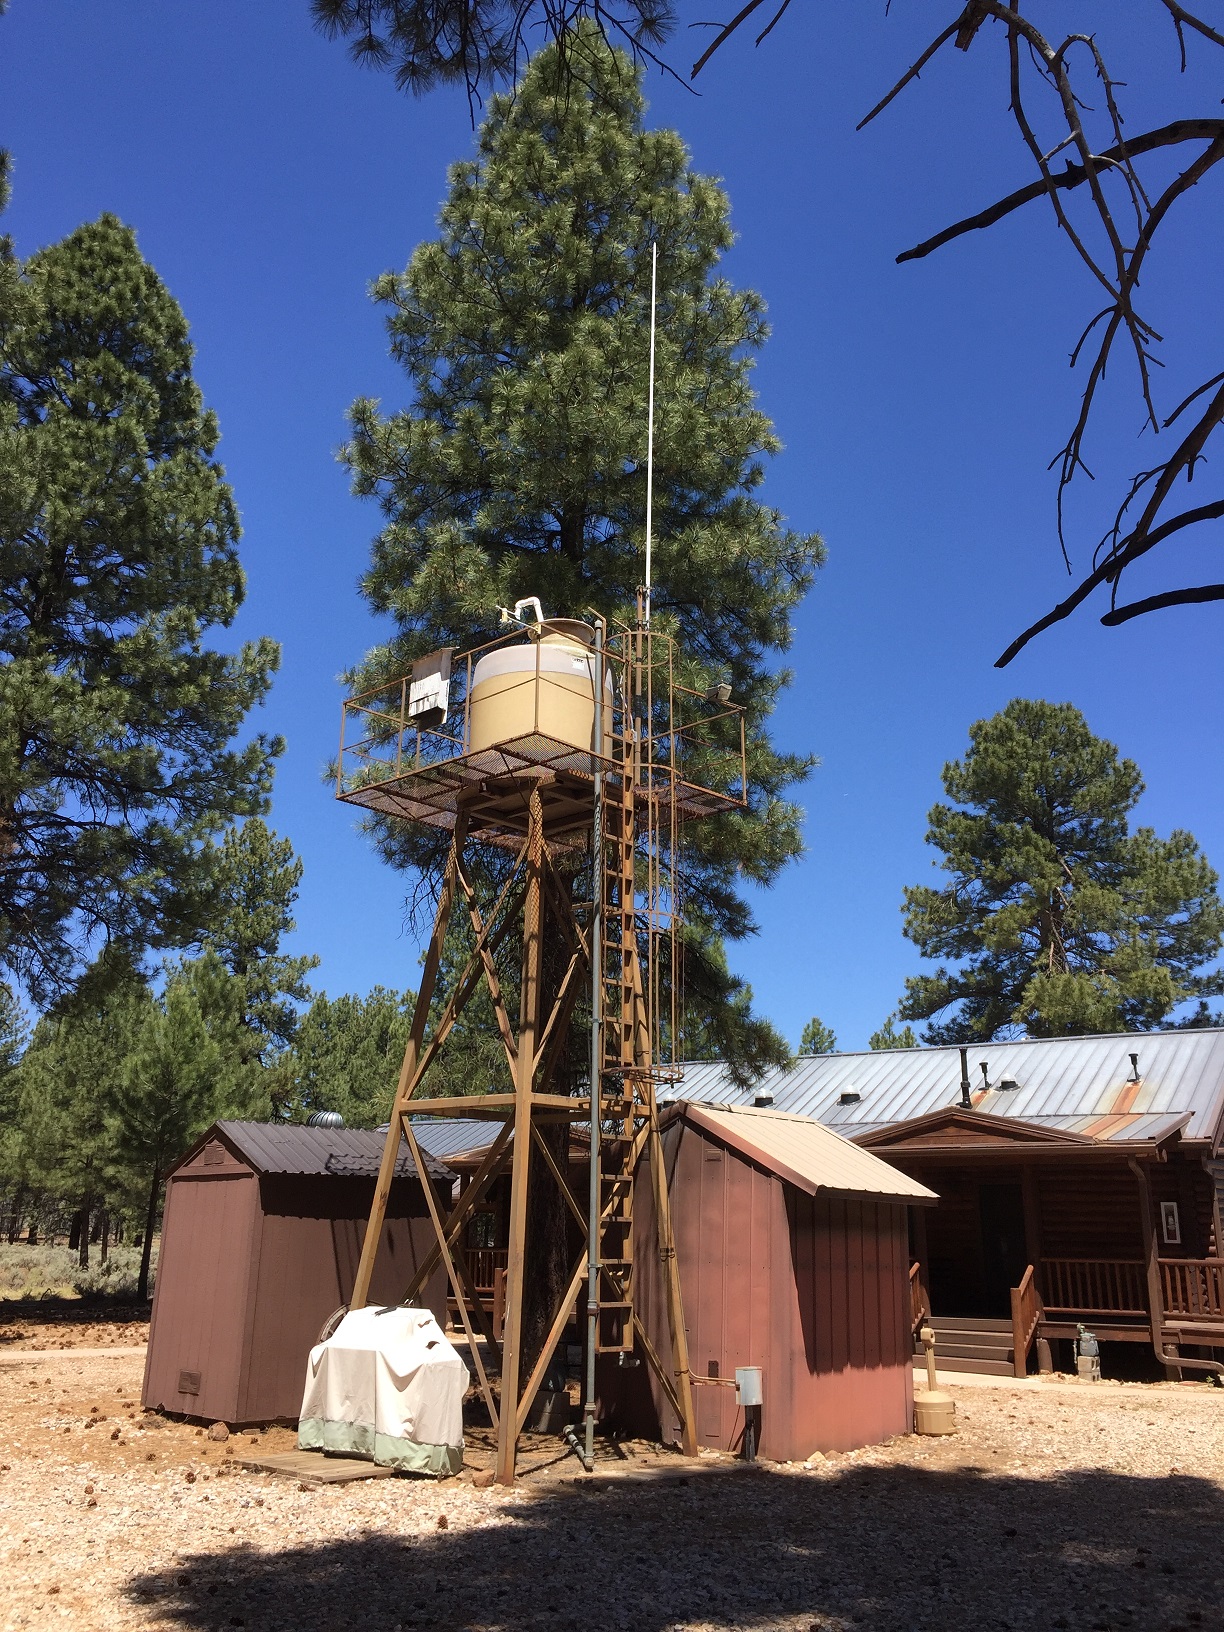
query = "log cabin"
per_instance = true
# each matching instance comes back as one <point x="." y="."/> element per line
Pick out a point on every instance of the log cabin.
<point x="1080" y="1183"/>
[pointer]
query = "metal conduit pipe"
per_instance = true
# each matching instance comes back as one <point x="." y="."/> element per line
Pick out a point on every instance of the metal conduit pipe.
<point x="596" y="1072"/>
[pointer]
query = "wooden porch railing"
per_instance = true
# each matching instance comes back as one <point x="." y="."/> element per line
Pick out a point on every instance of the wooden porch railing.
<point x="1027" y="1314"/>
<point x="1193" y="1286"/>
<point x="1094" y="1286"/>
<point x="483" y="1264"/>
<point x="920" y="1298"/>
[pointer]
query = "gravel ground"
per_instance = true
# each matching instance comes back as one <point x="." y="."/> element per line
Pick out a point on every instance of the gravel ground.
<point x="1065" y="1507"/>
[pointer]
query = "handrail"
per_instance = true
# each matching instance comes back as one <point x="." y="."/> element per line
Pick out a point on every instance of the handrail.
<point x="1027" y="1313"/>
<point x="1193" y="1286"/>
<point x="483" y="1264"/>
<point x="1098" y="1286"/>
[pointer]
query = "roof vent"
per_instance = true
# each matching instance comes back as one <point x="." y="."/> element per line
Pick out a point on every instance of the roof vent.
<point x="325" y="1119"/>
<point x="849" y="1096"/>
<point x="1006" y="1084"/>
<point x="762" y="1099"/>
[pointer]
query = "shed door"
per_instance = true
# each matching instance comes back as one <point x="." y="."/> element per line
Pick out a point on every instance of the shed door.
<point x="199" y="1317"/>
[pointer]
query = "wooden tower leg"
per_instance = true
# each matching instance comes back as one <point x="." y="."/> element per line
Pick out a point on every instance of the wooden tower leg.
<point x="671" y="1271"/>
<point x="524" y="1077"/>
<point x="664" y="1232"/>
<point x="412" y="1052"/>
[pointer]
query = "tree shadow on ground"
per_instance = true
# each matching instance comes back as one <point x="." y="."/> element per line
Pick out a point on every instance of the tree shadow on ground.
<point x="892" y="1549"/>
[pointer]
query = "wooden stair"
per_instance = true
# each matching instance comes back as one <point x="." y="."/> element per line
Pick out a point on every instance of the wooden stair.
<point x="971" y="1343"/>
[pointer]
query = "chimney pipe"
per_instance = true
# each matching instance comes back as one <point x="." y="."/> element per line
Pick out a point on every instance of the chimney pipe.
<point x="1134" y="1059"/>
<point x="965" y="1098"/>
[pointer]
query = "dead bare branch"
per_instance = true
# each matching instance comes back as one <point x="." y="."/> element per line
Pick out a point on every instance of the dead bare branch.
<point x="1156" y="603"/>
<point x="1181" y="130"/>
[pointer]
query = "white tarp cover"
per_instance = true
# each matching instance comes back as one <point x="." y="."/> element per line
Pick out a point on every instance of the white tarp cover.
<point x="389" y="1386"/>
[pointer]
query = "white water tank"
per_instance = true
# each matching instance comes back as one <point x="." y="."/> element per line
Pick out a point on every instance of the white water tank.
<point x="544" y="686"/>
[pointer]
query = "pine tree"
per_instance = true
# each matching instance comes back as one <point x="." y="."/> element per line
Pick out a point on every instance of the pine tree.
<point x="346" y="1055"/>
<point x="889" y="1037"/>
<point x="519" y="467"/>
<point x="165" y="1095"/>
<point x="817" y="1038"/>
<point x="69" y="1076"/>
<point x="13" y="1039"/>
<point x="247" y="989"/>
<point x="118" y="552"/>
<point x="1059" y="918"/>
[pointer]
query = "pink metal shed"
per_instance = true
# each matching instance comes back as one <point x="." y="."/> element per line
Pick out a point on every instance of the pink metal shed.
<point x="793" y="1255"/>
<point x="261" y="1236"/>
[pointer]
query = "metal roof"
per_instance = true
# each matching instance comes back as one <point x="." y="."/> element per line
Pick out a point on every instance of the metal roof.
<point x="454" y="1136"/>
<point x="286" y="1147"/>
<point x="806" y="1153"/>
<point x="1074" y="1084"/>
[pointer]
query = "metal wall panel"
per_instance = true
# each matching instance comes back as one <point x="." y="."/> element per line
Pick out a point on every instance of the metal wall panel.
<point x="201" y="1294"/>
<point x="249" y="1270"/>
<point x="813" y="1289"/>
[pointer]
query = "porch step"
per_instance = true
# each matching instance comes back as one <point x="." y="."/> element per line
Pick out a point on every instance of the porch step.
<point x="970" y="1323"/>
<point x="980" y="1368"/>
<point x="971" y="1343"/>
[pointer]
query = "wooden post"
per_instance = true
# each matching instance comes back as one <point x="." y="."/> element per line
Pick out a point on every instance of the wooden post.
<point x="524" y="1075"/>
<point x="671" y="1271"/>
<point x="1155" y="1296"/>
<point x="1032" y="1216"/>
<point x="420" y="1014"/>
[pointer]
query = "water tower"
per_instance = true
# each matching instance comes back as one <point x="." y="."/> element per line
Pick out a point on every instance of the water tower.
<point x="571" y="748"/>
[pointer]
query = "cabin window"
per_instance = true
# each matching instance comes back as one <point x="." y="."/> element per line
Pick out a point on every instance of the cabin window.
<point x="1170" y="1224"/>
<point x="483" y="1229"/>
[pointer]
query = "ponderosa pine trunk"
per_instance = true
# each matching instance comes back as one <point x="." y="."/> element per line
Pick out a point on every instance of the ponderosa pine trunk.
<point x="14" y="1221"/>
<point x="83" y="1228"/>
<point x="146" y="1252"/>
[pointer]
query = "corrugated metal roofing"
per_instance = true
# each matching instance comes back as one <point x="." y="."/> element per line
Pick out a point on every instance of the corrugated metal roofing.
<point x="280" y="1147"/>
<point x="449" y="1137"/>
<point x="1062" y="1082"/>
<point x="806" y="1153"/>
<point x="454" y="1136"/>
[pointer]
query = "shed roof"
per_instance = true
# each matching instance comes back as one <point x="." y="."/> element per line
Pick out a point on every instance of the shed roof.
<point x="286" y="1147"/>
<point x="805" y="1153"/>
<point x="452" y="1136"/>
<point x="1072" y="1084"/>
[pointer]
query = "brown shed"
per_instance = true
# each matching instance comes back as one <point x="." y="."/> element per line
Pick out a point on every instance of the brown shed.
<point x="793" y="1256"/>
<point x="261" y="1236"/>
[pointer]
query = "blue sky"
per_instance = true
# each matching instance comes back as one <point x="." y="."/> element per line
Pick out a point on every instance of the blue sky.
<point x="270" y="180"/>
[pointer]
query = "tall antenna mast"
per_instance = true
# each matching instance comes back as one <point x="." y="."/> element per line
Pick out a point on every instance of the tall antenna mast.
<point x="654" y="266"/>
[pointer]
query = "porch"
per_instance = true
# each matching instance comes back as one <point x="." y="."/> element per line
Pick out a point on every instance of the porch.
<point x="486" y="1272"/>
<point x="1169" y="1303"/>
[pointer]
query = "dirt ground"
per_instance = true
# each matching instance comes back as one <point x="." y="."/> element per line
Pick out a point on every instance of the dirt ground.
<point x="1076" y="1506"/>
<point x="70" y="1323"/>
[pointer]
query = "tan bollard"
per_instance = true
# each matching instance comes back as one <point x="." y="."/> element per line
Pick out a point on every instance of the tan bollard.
<point x="934" y="1411"/>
